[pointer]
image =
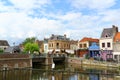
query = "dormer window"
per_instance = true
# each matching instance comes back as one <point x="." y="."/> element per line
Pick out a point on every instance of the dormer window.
<point x="107" y="35"/>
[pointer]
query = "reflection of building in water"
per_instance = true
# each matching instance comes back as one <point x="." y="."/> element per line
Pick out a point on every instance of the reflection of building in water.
<point x="27" y="74"/>
<point x="53" y="78"/>
<point x="16" y="74"/>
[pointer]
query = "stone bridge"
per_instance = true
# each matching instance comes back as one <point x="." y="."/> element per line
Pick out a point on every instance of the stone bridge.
<point x="47" y="59"/>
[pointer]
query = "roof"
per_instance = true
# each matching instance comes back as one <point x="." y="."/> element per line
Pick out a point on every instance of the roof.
<point x="89" y="39"/>
<point x="109" y="32"/>
<point x="94" y="46"/>
<point x="117" y="37"/>
<point x="46" y="40"/>
<point x="40" y="42"/>
<point x="74" y="42"/>
<point x="12" y="49"/>
<point x="58" y="37"/>
<point x="3" y="43"/>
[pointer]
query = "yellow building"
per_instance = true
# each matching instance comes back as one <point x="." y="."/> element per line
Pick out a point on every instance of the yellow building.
<point x="58" y="43"/>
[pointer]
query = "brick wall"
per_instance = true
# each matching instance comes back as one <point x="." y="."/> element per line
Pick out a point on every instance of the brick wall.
<point x="15" y="60"/>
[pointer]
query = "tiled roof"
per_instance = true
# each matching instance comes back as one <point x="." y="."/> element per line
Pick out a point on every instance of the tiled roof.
<point x="89" y="39"/>
<point x="58" y="37"/>
<point x="40" y="42"/>
<point x="3" y="43"/>
<point x="117" y="37"/>
<point x="109" y="32"/>
<point x="74" y="42"/>
<point x="12" y="49"/>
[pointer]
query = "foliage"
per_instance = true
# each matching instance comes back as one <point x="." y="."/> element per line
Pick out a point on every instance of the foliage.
<point x="31" y="47"/>
<point x="87" y="56"/>
<point x="29" y="40"/>
<point x="1" y="51"/>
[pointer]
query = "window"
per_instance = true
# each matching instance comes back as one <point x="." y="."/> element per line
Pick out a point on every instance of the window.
<point x="116" y="57"/>
<point x="85" y="45"/>
<point x="103" y="44"/>
<point x="49" y="45"/>
<point x="106" y="36"/>
<point x="108" y="44"/>
<point x="57" y="45"/>
<point x="80" y="45"/>
<point x="52" y="44"/>
<point x="64" y="45"/>
<point x="67" y="45"/>
<point x="45" y="46"/>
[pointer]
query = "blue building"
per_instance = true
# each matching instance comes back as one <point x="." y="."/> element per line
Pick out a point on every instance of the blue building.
<point x="94" y="50"/>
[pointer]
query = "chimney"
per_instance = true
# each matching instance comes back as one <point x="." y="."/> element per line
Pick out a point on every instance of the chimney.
<point x="115" y="29"/>
<point x="64" y="35"/>
<point x="113" y="26"/>
<point x="52" y="35"/>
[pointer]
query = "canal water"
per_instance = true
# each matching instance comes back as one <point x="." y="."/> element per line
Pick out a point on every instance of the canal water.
<point x="60" y="72"/>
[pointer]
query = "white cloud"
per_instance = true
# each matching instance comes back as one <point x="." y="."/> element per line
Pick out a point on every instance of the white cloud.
<point x="110" y="15"/>
<point x="92" y="4"/>
<point x="70" y="16"/>
<point x="4" y="8"/>
<point x="29" y="4"/>
<point x="20" y="26"/>
<point x="17" y="25"/>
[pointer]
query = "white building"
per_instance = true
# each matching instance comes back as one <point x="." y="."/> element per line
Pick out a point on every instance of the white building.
<point x="106" y="42"/>
<point x="46" y="46"/>
<point x="3" y="44"/>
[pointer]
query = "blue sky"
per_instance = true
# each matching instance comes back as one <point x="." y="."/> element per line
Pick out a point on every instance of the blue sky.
<point x="20" y="19"/>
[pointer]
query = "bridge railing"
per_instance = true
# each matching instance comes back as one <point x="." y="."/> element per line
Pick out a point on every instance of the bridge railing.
<point x="57" y="55"/>
<point x="38" y="56"/>
<point x="48" y="55"/>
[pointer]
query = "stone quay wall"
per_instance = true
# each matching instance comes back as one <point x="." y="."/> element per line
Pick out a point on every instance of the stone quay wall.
<point x="15" y="61"/>
<point x="92" y="63"/>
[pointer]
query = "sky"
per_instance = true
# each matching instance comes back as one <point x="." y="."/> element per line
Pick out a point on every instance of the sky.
<point x="20" y="19"/>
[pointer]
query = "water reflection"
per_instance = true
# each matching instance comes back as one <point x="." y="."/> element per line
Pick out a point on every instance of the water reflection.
<point x="15" y="74"/>
<point x="61" y="72"/>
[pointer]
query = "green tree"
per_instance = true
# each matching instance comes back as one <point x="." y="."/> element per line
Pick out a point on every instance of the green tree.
<point x="29" y="40"/>
<point x="31" y="48"/>
<point x="30" y="45"/>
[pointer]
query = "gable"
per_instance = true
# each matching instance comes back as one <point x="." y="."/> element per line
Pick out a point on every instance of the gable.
<point x="3" y="43"/>
<point x="107" y="33"/>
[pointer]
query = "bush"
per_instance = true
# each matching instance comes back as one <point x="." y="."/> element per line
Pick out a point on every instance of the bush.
<point x="1" y="51"/>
